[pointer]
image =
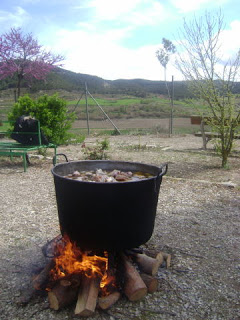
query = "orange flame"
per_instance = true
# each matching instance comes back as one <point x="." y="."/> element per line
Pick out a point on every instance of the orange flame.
<point x="107" y="284"/>
<point x="72" y="260"/>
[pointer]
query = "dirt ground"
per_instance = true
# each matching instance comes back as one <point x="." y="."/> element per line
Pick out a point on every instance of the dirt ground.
<point x="197" y="222"/>
<point x="141" y="123"/>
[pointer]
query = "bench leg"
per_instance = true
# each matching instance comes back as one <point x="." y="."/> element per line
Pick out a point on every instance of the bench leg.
<point x="25" y="162"/>
<point x="55" y="156"/>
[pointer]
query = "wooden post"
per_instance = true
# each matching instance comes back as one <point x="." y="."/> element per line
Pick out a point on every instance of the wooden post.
<point x="203" y="134"/>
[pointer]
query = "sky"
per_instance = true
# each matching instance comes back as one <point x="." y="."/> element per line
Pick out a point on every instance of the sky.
<point x="114" y="39"/>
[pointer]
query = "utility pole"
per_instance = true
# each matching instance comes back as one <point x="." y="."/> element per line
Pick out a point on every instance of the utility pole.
<point x="86" y="93"/>
<point x="171" y="113"/>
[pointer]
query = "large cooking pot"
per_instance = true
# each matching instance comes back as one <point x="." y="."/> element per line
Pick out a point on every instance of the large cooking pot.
<point x="107" y="216"/>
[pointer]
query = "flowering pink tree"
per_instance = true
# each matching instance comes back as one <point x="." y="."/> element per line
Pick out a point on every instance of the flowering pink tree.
<point x="21" y="55"/>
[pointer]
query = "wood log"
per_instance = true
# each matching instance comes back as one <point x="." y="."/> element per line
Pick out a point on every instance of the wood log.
<point x="160" y="258"/>
<point x="134" y="287"/>
<point x="87" y="297"/>
<point x="41" y="280"/>
<point x="106" y="302"/>
<point x="167" y="258"/>
<point x="147" y="264"/>
<point x="72" y="280"/>
<point x="62" y="295"/>
<point x="150" y="282"/>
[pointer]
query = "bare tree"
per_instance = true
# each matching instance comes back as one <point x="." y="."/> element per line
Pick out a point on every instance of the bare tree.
<point x="211" y="77"/>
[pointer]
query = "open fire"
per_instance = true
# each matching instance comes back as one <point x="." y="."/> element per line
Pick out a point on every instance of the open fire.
<point x="93" y="280"/>
<point x="105" y="270"/>
<point x="81" y="276"/>
<point x="69" y="259"/>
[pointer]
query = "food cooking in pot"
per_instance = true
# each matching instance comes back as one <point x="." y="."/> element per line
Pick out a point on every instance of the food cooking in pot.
<point x="108" y="176"/>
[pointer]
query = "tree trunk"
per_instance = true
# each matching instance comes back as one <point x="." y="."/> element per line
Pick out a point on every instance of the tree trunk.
<point x="19" y="81"/>
<point x="224" y="159"/>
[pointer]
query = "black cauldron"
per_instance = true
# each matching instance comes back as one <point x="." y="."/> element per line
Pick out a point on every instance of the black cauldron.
<point x="107" y="216"/>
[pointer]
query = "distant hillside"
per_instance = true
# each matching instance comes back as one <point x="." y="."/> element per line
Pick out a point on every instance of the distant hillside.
<point x="67" y="80"/>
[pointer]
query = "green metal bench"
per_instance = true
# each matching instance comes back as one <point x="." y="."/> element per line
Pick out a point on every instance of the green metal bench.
<point x="16" y="149"/>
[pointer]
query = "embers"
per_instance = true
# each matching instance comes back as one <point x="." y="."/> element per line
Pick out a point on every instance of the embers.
<point x="95" y="280"/>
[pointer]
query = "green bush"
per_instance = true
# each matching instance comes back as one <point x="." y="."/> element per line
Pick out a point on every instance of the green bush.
<point x="52" y="113"/>
<point x="97" y="152"/>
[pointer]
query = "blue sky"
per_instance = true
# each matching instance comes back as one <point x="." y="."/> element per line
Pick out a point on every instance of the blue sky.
<point x="114" y="39"/>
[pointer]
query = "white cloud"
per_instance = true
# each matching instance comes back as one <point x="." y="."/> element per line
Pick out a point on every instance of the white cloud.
<point x="193" y="5"/>
<point x="17" y="18"/>
<point x="131" y="12"/>
<point x="97" y="54"/>
<point x="230" y="38"/>
<point x="151" y="15"/>
<point x="111" y="10"/>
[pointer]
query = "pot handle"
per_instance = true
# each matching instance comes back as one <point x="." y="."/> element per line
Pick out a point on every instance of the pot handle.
<point x="164" y="169"/>
<point x="59" y="154"/>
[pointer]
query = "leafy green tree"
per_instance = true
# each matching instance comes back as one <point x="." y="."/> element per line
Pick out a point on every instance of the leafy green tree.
<point x="52" y="113"/>
<point x="163" y="55"/>
<point x="210" y="76"/>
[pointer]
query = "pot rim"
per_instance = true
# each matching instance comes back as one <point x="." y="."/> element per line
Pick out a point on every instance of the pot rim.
<point x="160" y="171"/>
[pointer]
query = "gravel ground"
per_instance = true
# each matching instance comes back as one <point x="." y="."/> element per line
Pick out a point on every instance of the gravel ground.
<point x="197" y="222"/>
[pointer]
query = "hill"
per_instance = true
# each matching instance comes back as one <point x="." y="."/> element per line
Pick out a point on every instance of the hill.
<point x="67" y="80"/>
<point x="62" y="79"/>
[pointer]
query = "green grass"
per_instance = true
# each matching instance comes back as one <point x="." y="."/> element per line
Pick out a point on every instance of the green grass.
<point x="107" y="102"/>
<point x="4" y="126"/>
<point x="117" y="106"/>
<point x="131" y="107"/>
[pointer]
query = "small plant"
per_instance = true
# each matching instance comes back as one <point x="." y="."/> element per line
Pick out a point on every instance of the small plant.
<point x="97" y="152"/>
<point x="42" y="152"/>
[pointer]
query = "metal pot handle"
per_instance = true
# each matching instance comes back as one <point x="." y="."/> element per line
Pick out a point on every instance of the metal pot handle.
<point x="164" y="169"/>
<point x="59" y="154"/>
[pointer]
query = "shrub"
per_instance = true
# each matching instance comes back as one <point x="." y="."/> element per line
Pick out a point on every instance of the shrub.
<point x="97" y="152"/>
<point x="52" y="113"/>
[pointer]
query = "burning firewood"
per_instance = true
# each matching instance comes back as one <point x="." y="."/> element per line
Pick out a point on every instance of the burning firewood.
<point x="147" y="264"/>
<point x="41" y="280"/>
<point x="134" y="287"/>
<point x="62" y="294"/>
<point x="49" y="250"/>
<point x="106" y="302"/>
<point x="150" y="282"/>
<point x="87" y="296"/>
